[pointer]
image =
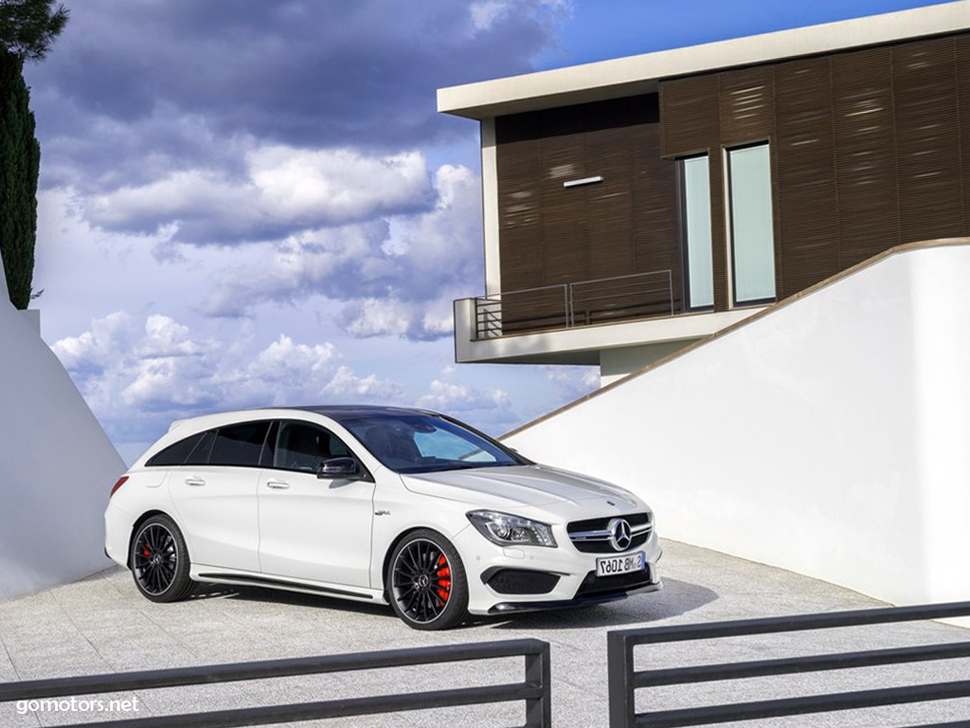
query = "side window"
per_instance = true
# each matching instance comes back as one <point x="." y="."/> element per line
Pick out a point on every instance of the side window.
<point x="269" y="447"/>
<point x="174" y="454"/>
<point x="200" y="453"/>
<point x="239" y="445"/>
<point x="302" y="446"/>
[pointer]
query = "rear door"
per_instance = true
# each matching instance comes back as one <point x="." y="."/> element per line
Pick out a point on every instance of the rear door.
<point x="215" y="496"/>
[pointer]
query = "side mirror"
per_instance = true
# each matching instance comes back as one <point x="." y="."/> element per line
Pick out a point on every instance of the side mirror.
<point x="335" y="468"/>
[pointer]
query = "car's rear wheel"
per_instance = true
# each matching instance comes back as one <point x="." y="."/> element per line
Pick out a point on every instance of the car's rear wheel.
<point x="427" y="584"/>
<point x="160" y="561"/>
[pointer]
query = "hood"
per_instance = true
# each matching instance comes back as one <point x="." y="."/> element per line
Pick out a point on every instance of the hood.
<point x="517" y="485"/>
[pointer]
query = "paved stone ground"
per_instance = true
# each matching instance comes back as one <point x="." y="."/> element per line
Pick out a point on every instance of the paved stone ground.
<point x="101" y="625"/>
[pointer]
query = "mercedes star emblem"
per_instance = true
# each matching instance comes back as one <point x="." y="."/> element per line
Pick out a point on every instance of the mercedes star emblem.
<point x="621" y="535"/>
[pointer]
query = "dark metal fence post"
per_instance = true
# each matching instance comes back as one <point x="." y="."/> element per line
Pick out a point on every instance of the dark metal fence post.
<point x="624" y="679"/>
<point x="535" y="690"/>
<point x="619" y="666"/>
<point x="538" y="711"/>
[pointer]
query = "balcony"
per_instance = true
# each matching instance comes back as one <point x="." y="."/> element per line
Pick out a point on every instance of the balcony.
<point x="584" y="322"/>
<point x="568" y="305"/>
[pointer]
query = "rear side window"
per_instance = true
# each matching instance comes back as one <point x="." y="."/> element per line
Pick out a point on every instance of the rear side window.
<point x="269" y="447"/>
<point x="200" y="453"/>
<point x="239" y="445"/>
<point x="175" y="454"/>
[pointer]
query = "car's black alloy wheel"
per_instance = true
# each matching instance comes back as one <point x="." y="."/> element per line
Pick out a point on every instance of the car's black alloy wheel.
<point x="159" y="561"/>
<point x="427" y="582"/>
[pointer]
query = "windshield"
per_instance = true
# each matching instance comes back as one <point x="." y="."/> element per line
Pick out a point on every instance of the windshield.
<point x="422" y="443"/>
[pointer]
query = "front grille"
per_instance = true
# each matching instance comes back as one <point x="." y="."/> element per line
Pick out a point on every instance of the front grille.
<point x="592" y="536"/>
<point x="593" y="585"/>
<point x="521" y="581"/>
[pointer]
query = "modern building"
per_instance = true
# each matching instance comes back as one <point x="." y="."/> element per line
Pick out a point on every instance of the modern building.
<point x="638" y="205"/>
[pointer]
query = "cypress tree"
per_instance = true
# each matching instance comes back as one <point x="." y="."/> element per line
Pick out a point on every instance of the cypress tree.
<point x="19" y="169"/>
<point x="27" y="29"/>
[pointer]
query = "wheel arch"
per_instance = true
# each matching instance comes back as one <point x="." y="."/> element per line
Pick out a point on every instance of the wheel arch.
<point x="393" y="545"/>
<point x="136" y="525"/>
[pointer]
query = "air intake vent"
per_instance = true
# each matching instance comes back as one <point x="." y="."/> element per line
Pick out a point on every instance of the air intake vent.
<point x="521" y="581"/>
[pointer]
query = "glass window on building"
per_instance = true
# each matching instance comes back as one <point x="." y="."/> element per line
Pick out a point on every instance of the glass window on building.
<point x="696" y="196"/>
<point x="752" y="228"/>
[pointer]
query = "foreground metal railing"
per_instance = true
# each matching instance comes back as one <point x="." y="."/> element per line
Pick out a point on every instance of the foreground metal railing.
<point x="534" y="690"/>
<point x="567" y="305"/>
<point x="624" y="679"/>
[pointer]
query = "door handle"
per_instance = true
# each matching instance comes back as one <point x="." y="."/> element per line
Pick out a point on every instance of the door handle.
<point x="277" y="484"/>
<point x="194" y="481"/>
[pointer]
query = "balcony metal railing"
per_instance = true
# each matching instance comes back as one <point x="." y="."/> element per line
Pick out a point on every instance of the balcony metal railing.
<point x="568" y="305"/>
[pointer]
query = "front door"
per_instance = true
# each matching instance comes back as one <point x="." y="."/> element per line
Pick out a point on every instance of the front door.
<point x="313" y="528"/>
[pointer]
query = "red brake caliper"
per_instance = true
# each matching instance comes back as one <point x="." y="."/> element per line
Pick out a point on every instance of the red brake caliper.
<point x="444" y="579"/>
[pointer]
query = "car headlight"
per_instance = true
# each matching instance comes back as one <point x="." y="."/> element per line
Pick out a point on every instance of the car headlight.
<point x="508" y="530"/>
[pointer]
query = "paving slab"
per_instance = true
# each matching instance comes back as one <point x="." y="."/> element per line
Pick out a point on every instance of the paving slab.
<point x="101" y="624"/>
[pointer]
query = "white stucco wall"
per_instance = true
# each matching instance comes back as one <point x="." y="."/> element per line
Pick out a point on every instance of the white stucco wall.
<point x="56" y="466"/>
<point x="830" y="437"/>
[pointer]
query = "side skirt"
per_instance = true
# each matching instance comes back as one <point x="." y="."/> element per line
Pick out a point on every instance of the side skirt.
<point x="239" y="579"/>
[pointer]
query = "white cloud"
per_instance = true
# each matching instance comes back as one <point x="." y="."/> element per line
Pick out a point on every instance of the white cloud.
<point x="338" y="186"/>
<point x="447" y="396"/>
<point x="284" y="359"/>
<point x="485" y="14"/>
<point x="94" y="350"/>
<point x="488" y="408"/>
<point x="377" y="317"/>
<point x="166" y="338"/>
<point x="573" y="382"/>
<point x="137" y="379"/>
<point x="396" y="278"/>
<point x="282" y="190"/>
<point x="345" y="383"/>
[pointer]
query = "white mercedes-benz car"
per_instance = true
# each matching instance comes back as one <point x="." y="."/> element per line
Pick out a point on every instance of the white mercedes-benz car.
<point x="376" y="504"/>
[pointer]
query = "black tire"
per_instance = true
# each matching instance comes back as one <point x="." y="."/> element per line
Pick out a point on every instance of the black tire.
<point x="160" y="561"/>
<point x="426" y="582"/>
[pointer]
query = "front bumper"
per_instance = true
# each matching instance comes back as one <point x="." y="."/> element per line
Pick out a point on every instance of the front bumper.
<point x="576" y="583"/>
<point x="603" y="591"/>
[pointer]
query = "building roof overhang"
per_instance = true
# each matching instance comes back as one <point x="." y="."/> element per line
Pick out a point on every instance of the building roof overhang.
<point x="639" y="74"/>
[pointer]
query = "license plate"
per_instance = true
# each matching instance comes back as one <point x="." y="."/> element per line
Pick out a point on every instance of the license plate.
<point x="613" y="565"/>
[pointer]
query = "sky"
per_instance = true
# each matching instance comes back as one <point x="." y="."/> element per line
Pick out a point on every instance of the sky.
<point x="253" y="202"/>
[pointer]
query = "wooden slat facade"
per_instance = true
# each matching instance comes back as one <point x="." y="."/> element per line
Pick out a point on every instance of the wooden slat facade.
<point x="869" y="149"/>
<point x="551" y="235"/>
<point x="807" y="204"/>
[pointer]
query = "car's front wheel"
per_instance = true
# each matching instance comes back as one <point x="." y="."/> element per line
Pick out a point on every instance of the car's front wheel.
<point x="160" y="561"/>
<point x="427" y="584"/>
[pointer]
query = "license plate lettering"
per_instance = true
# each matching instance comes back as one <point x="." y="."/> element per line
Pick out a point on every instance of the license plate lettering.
<point x="613" y="565"/>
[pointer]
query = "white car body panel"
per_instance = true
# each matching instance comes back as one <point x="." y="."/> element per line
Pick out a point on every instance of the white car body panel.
<point x="517" y="486"/>
<point x="333" y="536"/>
<point x="315" y="530"/>
<point x="217" y="505"/>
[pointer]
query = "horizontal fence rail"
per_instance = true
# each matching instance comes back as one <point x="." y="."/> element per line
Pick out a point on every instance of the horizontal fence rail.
<point x="624" y="679"/>
<point x="567" y="305"/>
<point x="534" y="690"/>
